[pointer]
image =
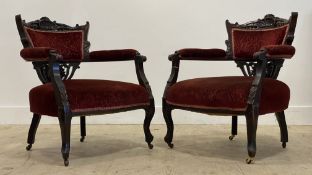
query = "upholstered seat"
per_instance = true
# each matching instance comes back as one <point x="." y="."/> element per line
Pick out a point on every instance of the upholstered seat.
<point x="228" y="93"/>
<point x="101" y="94"/>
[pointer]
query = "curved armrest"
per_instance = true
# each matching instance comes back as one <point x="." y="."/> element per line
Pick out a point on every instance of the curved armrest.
<point x="37" y="53"/>
<point x="192" y="54"/>
<point x="279" y="51"/>
<point x="201" y="54"/>
<point x="124" y="55"/>
<point x="114" y="55"/>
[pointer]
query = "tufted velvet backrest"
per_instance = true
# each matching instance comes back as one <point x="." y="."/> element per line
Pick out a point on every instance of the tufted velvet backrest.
<point x="246" y="39"/>
<point x="70" y="42"/>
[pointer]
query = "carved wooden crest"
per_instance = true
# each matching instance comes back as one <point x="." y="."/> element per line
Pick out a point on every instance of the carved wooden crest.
<point x="269" y="21"/>
<point x="45" y="23"/>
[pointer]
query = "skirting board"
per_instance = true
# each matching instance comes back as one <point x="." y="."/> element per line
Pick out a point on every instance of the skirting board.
<point x="295" y="115"/>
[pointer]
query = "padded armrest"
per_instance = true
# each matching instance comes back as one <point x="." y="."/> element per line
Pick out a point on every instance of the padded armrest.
<point x="279" y="51"/>
<point x="36" y="53"/>
<point x="113" y="55"/>
<point x="201" y="54"/>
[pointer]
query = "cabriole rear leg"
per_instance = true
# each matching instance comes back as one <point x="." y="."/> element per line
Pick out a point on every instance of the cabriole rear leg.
<point x="82" y="128"/>
<point x="234" y="128"/>
<point x="32" y="130"/>
<point x="280" y="116"/>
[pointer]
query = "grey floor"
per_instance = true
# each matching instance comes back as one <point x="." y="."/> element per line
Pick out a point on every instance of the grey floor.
<point x="120" y="149"/>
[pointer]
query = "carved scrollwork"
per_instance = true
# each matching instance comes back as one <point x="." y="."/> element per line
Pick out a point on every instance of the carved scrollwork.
<point x="248" y="68"/>
<point x="42" y="70"/>
<point x="268" y="21"/>
<point x="67" y="71"/>
<point x="45" y="23"/>
<point x="228" y="48"/>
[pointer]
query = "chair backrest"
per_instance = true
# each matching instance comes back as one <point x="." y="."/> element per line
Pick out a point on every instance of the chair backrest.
<point x="246" y="39"/>
<point x="71" y="42"/>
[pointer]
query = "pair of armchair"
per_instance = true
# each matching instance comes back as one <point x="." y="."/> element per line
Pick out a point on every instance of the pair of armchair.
<point x="258" y="48"/>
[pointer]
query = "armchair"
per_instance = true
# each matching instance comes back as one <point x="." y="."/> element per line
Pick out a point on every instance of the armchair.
<point x="259" y="49"/>
<point x="56" y="51"/>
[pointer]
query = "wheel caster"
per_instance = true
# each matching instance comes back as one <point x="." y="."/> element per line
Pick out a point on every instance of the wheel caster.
<point x="171" y="145"/>
<point x="82" y="139"/>
<point x="28" y="147"/>
<point x="231" y="137"/>
<point x="66" y="163"/>
<point x="150" y="146"/>
<point x="284" y="144"/>
<point x="250" y="160"/>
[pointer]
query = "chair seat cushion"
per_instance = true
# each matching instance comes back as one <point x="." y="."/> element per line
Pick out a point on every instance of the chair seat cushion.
<point x="228" y="93"/>
<point x="88" y="96"/>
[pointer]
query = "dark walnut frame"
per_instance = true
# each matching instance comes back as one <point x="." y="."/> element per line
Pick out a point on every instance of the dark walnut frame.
<point x="56" y="70"/>
<point x="258" y="67"/>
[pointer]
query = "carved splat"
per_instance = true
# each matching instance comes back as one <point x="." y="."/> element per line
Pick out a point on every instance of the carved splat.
<point x="67" y="71"/>
<point x="248" y="68"/>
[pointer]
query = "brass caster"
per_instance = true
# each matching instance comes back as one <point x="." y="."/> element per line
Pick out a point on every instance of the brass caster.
<point x="66" y="163"/>
<point x="171" y="145"/>
<point x="150" y="146"/>
<point x="231" y="137"/>
<point x="28" y="147"/>
<point x="82" y="138"/>
<point x="284" y="144"/>
<point x="250" y="160"/>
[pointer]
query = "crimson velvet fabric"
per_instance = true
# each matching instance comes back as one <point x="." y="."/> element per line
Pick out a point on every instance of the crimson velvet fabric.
<point x="102" y="55"/>
<point x="88" y="96"/>
<point x="279" y="51"/>
<point x="201" y="54"/>
<point x="68" y="43"/>
<point x="228" y="93"/>
<point x="36" y="54"/>
<point x="246" y="42"/>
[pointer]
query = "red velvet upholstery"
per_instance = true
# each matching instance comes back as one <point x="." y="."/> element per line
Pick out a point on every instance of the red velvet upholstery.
<point x="246" y="42"/>
<point x="280" y="51"/>
<point x="68" y="43"/>
<point x="228" y="93"/>
<point x="88" y="96"/>
<point x="201" y="54"/>
<point x="125" y="54"/>
<point x="36" y="53"/>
